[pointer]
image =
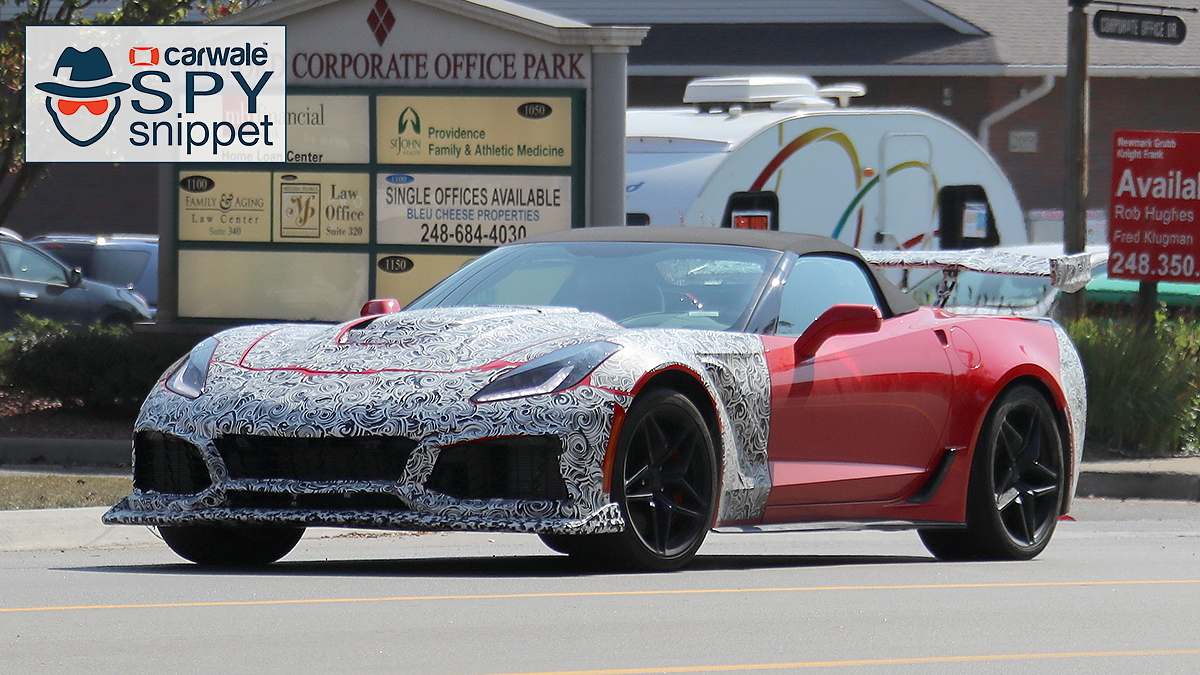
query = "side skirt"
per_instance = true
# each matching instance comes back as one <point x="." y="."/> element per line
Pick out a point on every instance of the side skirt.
<point x="838" y="526"/>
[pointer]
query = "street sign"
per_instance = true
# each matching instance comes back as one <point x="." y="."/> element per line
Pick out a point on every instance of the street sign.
<point x="1153" y="224"/>
<point x="1159" y="28"/>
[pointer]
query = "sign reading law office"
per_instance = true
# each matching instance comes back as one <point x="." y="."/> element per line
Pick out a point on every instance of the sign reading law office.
<point x="474" y="130"/>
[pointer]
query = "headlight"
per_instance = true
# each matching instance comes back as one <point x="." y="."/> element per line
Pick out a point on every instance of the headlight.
<point x="547" y="374"/>
<point x="187" y="377"/>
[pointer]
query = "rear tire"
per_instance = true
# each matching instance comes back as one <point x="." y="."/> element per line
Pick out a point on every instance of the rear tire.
<point x="231" y="545"/>
<point x="1017" y="485"/>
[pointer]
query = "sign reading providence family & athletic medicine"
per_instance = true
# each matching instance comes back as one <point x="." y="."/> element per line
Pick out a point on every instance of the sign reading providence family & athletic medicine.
<point x="155" y="94"/>
<point x="531" y="130"/>
<point x="1138" y="27"/>
<point x="1153" y="224"/>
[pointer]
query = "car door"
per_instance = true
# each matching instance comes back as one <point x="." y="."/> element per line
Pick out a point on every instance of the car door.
<point x="862" y="420"/>
<point x="38" y="285"/>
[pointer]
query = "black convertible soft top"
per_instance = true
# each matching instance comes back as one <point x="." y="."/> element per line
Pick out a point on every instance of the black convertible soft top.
<point x="898" y="302"/>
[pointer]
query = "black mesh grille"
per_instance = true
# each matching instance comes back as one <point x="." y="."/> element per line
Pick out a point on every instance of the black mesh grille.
<point x="368" y="501"/>
<point x="168" y="464"/>
<point x="524" y="467"/>
<point x="315" y="459"/>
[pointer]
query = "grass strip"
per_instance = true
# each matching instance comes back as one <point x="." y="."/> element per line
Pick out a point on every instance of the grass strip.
<point x="56" y="491"/>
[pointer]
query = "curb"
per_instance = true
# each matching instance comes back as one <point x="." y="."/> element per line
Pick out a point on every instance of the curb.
<point x="1169" y="486"/>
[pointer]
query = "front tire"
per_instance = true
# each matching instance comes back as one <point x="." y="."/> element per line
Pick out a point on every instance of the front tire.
<point x="665" y="481"/>
<point x="231" y="545"/>
<point x="1017" y="485"/>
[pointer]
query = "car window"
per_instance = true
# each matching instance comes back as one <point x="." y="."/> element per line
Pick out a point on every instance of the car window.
<point x="817" y="283"/>
<point x="30" y="264"/>
<point x="117" y="267"/>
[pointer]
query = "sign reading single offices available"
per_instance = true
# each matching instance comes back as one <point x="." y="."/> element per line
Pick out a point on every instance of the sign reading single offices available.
<point x="1152" y="215"/>
<point x="155" y="94"/>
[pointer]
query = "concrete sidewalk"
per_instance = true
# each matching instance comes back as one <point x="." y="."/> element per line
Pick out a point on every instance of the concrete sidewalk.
<point x="1175" y="479"/>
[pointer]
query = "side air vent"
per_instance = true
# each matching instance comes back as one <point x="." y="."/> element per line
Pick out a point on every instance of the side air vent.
<point x="168" y="464"/>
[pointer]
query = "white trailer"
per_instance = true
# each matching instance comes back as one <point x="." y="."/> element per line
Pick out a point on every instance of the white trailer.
<point x="781" y="153"/>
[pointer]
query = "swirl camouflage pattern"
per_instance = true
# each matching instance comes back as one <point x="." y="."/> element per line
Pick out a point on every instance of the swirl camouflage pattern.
<point x="619" y="419"/>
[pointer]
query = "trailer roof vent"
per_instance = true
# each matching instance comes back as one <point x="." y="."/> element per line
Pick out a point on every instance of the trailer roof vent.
<point x="709" y="92"/>
<point x="737" y="94"/>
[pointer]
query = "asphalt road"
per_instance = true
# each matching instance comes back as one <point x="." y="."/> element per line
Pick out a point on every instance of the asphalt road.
<point x="1118" y="591"/>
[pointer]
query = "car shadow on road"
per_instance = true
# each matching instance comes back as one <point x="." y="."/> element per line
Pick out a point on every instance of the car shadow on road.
<point x="549" y="565"/>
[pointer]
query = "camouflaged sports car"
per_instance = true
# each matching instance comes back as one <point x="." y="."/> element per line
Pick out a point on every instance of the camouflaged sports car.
<point x="620" y="392"/>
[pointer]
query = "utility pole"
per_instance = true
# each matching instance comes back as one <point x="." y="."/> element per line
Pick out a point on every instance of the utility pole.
<point x="1074" y="305"/>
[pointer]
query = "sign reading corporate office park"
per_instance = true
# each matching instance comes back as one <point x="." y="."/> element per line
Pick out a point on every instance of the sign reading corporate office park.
<point x="155" y="94"/>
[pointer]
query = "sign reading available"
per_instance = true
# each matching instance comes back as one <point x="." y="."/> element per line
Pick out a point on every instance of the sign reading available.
<point x="1152" y="220"/>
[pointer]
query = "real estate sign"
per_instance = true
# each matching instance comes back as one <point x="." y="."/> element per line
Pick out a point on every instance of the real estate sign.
<point x="1153" y="223"/>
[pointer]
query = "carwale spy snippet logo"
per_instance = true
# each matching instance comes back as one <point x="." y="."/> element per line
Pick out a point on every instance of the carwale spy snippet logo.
<point x="155" y="94"/>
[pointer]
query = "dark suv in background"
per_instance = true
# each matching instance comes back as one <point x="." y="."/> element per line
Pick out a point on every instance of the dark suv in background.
<point x="37" y="283"/>
<point x="121" y="260"/>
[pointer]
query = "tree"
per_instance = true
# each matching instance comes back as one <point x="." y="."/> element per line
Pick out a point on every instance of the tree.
<point x="16" y="175"/>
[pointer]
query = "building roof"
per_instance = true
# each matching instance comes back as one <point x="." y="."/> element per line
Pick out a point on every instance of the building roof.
<point x="871" y="37"/>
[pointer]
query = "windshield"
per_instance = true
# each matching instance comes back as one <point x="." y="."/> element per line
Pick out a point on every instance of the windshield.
<point x="636" y="284"/>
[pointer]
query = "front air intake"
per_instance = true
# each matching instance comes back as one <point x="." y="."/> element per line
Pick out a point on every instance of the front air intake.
<point x="355" y="458"/>
<point x="521" y="467"/>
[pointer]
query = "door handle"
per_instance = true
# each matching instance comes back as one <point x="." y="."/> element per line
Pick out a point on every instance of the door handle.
<point x="26" y="295"/>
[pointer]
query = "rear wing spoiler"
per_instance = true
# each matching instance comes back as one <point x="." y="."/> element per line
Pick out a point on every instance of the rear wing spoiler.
<point x="1067" y="272"/>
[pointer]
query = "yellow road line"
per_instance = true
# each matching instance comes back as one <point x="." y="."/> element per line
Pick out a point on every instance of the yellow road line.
<point x="600" y="594"/>
<point x="866" y="662"/>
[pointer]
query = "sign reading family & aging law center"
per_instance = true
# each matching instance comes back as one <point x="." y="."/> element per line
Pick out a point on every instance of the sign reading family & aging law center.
<point x="225" y="206"/>
<point x="1152" y="218"/>
<point x="474" y="130"/>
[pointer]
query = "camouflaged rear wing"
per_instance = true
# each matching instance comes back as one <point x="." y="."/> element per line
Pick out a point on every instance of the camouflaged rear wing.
<point x="1068" y="273"/>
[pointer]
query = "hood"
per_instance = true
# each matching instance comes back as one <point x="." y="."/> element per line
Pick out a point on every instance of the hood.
<point x="433" y="340"/>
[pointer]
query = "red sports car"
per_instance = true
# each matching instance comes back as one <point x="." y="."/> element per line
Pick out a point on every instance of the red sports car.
<point x="620" y="392"/>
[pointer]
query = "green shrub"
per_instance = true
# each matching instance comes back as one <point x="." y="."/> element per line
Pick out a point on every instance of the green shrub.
<point x="1141" y="385"/>
<point x="103" y="368"/>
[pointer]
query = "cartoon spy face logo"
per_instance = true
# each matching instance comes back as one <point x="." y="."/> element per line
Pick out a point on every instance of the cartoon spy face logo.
<point x="82" y="101"/>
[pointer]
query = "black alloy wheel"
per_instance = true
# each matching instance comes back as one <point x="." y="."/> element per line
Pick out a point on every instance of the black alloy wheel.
<point x="1018" y="482"/>
<point x="665" y="481"/>
<point x="231" y="545"/>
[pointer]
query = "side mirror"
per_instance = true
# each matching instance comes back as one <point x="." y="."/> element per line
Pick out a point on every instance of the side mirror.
<point x="380" y="306"/>
<point x="74" y="277"/>
<point x="837" y="320"/>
